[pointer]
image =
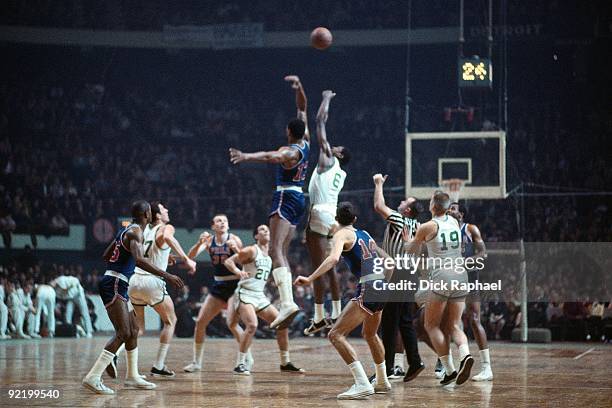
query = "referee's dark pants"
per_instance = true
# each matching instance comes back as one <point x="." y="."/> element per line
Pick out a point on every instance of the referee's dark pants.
<point x="398" y="315"/>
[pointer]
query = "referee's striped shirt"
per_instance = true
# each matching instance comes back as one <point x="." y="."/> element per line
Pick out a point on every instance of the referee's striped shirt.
<point x="393" y="243"/>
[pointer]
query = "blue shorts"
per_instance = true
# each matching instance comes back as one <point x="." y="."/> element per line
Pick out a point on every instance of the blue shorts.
<point x="112" y="288"/>
<point x="224" y="289"/>
<point x="289" y="205"/>
<point x="369" y="307"/>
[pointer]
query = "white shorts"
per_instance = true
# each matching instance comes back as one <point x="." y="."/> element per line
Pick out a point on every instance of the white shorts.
<point x="259" y="300"/>
<point x="146" y="290"/>
<point x="322" y="219"/>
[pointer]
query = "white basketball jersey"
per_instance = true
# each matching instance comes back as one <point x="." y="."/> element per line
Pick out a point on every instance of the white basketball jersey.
<point x="258" y="271"/>
<point x="445" y="246"/>
<point x="325" y="187"/>
<point x="156" y="255"/>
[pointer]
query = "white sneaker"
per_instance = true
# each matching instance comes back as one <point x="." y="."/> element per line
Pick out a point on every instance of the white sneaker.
<point x="35" y="336"/>
<point x="485" y="375"/>
<point x="249" y="361"/>
<point x="23" y="336"/>
<point x="357" y="391"/>
<point x="285" y="316"/>
<point x="139" y="383"/>
<point x="381" y="388"/>
<point x="192" y="367"/>
<point x="96" y="385"/>
<point x="4" y="337"/>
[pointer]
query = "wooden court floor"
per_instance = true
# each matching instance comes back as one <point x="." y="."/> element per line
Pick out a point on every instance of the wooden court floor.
<point x="561" y="374"/>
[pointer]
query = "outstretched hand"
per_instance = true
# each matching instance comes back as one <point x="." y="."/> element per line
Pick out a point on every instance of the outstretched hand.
<point x="328" y="94"/>
<point x="295" y="81"/>
<point x="302" y="281"/>
<point x="236" y="156"/>
<point x="175" y="281"/>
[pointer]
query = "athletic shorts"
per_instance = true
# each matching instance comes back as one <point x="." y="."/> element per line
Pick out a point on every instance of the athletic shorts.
<point x="289" y="205"/>
<point x="146" y="290"/>
<point x="112" y="288"/>
<point x="322" y="219"/>
<point x="223" y="289"/>
<point x="369" y="307"/>
<point x="257" y="299"/>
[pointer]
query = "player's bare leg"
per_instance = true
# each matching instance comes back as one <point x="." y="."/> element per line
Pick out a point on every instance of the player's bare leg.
<point x="232" y="320"/>
<point x="140" y="318"/>
<point x="212" y="307"/>
<point x="270" y="314"/>
<point x="317" y="244"/>
<point x="486" y="374"/>
<point x="249" y="319"/>
<point x="165" y="310"/>
<point x="281" y="234"/>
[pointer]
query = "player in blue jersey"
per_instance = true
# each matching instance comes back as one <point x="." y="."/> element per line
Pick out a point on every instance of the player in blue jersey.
<point x="220" y="246"/>
<point x="359" y="251"/>
<point x="474" y="246"/>
<point x="289" y="203"/>
<point x="122" y="256"/>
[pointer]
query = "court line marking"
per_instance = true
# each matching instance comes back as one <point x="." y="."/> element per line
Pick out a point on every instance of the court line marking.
<point x="584" y="354"/>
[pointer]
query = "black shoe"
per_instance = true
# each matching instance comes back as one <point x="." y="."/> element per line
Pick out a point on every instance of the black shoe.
<point x="448" y="378"/>
<point x="413" y="371"/>
<point x="397" y="372"/>
<point x="241" y="370"/>
<point x="315" y="327"/>
<point x="111" y="369"/>
<point x="290" y="368"/>
<point x="372" y="379"/>
<point x="330" y="323"/>
<point x="464" y="369"/>
<point x="164" y="372"/>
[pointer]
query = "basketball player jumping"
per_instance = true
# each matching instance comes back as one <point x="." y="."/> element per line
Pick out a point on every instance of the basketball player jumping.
<point x="252" y="302"/>
<point x="442" y="237"/>
<point x="358" y="250"/>
<point x="474" y="247"/>
<point x="289" y="203"/>
<point x="122" y="256"/>
<point x="325" y="184"/>
<point x="220" y="246"/>
<point x="147" y="289"/>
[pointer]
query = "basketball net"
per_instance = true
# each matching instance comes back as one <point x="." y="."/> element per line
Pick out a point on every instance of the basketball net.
<point x="453" y="188"/>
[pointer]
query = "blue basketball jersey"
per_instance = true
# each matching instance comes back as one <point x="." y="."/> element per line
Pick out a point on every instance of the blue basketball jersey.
<point x="295" y="175"/>
<point x="218" y="255"/>
<point x="121" y="260"/>
<point x="466" y="241"/>
<point x="360" y="258"/>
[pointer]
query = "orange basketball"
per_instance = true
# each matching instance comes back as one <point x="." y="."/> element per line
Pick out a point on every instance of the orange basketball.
<point x="320" y="38"/>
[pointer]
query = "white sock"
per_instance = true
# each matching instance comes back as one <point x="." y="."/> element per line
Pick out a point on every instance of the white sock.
<point x="161" y="355"/>
<point x="104" y="359"/>
<point x="336" y="308"/>
<point x="398" y="360"/>
<point x="284" y="357"/>
<point x="120" y="350"/>
<point x="132" y="364"/>
<point x="464" y="350"/>
<point x="319" y="312"/>
<point x="242" y="358"/>
<point x="198" y="352"/>
<point x="381" y="373"/>
<point x="358" y="373"/>
<point x="282" y="278"/>
<point x="485" y="359"/>
<point x="447" y="362"/>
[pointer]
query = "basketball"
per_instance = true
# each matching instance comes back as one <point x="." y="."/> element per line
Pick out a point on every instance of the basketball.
<point x="321" y="38"/>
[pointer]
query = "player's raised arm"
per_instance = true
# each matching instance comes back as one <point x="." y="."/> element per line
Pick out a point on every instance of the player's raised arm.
<point x="282" y="155"/>
<point x="300" y="102"/>
<point x="325" y="152"/>
<point x="168" y="235"/>
<point x="379" y="199"/>
<point x="134" y="235"/>
<point x="245" y="256"/>
<point x="203" y="243"/>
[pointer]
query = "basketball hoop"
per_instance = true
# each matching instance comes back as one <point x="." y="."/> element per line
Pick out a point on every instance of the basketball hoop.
<point x="453" y="188"/>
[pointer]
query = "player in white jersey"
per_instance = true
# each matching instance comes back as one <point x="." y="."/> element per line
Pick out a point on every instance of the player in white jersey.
<point x="3" y="314"/>
<point x="146" y="289"/>
<point x="443" y="239"/>
<point x="325" y="184"/>
<point x="45" y="306"/>
<point x="252" y="302"/>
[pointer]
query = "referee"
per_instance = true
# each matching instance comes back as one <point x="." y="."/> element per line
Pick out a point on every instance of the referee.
<point x="398" y="315"/>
